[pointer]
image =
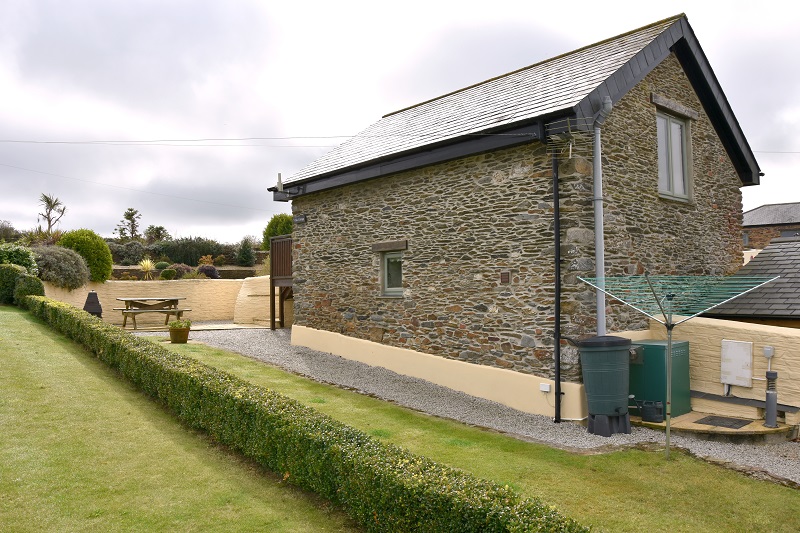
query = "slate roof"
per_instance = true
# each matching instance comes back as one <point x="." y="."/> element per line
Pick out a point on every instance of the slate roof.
<point x="778" y="299"/>
<point x="514" y="107"/>
<point x="772" y="215"/>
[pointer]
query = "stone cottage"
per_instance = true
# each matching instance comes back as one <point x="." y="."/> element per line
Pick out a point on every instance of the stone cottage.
<point x="427" y="243"/>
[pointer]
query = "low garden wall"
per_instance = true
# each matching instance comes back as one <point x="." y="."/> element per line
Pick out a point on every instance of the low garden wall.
<point x="243" y="301"/>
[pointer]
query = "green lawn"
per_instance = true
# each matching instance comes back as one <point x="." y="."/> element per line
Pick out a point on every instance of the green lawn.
<point x="81" y="450"/>
<point x="631" y="490"/>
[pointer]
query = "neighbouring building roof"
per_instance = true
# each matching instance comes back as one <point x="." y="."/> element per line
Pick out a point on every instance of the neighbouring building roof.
<point x="778" y="299"/>
<point x="513" y="109"/>
<point x="772" y="215"/>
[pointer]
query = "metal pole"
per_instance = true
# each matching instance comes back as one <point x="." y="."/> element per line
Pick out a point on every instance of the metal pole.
<point x="670" y="325"/>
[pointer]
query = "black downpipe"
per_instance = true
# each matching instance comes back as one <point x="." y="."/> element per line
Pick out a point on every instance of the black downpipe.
<point x="557" y="326"/>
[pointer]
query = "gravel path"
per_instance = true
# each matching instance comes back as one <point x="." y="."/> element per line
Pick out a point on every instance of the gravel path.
<point x="780" y="461"/>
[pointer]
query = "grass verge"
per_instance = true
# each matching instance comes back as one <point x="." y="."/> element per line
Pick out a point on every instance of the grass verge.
<point x="632" y="490"/>
<point x="81" y="450"/>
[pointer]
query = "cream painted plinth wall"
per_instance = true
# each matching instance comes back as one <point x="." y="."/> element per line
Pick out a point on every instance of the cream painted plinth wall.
<point x="705" y="336"/>
<point x="234" y="300"/>
<point x="514" y="389"/>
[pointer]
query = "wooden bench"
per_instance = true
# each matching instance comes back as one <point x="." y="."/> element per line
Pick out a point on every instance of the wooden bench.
<point x="133" y="312"/>
<point x="149" y="304"/>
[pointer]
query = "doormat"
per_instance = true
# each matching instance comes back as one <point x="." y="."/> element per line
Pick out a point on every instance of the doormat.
<point x="724" y="422"/>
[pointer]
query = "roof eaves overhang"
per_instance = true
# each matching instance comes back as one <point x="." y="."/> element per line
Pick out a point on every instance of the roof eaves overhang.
<point x="448" y="150"/>
<point x="680" y="39"/>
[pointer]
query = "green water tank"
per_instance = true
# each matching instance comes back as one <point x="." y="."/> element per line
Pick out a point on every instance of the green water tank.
<point x="604" y="360"/>
<point x="648" y="375"/>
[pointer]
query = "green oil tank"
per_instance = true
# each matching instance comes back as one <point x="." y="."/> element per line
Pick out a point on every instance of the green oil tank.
<point x="648" y="375"/>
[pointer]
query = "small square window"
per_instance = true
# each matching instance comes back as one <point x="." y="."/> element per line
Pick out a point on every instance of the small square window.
<point x="392" y="274"/>
<point x="673" y="175"/>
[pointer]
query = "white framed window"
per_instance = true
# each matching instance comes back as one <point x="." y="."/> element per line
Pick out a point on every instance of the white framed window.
<point x="673" y="161"/>
<point x="392" y="274"/>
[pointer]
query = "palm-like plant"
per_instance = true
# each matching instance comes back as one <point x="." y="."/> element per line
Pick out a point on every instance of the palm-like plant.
<point x="148" y="267"/>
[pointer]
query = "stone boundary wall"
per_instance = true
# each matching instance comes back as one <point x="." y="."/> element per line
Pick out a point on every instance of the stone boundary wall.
<point x="705" y="337"/>
<point x="243" y="301"/>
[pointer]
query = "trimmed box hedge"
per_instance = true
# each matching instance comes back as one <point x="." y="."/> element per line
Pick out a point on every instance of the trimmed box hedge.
<point x="382" y="486"/>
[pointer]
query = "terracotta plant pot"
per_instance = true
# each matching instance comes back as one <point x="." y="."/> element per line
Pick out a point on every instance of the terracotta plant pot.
<point x="179" y="335"/>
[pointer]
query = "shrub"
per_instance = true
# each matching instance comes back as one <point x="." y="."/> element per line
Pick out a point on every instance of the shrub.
<point x="245" y="256"/>
<point x="61" y="266"/>
<point x="17" y="254"/>
<point x="181" y="269"/>
<point x="8" y="281"/>
<point x="93" y="249"/>
<point x="134" y="252"/>
<point x="161" y="265"/>
<point x="128" y="276"/>
<point x="189" y="250"/>
<point x="194" y="275"/>
<point x="147" y="267"/>
<point x="209" y="271"/>
<point x="168" y="273"/>
<point x="280" y="224"/>
<point x="205" y="260"/>
<point x="383" y="487"/>
<point x="220" y="260"/>
<point x="27" y="285"/>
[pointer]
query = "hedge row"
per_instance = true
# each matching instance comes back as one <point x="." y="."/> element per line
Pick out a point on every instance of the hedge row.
<point x="383" y="487"/>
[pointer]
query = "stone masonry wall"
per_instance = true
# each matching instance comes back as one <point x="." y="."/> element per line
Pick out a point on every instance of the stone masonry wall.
<point x="468" y="221"/>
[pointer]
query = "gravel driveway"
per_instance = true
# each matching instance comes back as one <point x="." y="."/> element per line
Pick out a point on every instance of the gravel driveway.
<point x="780" y="461"/>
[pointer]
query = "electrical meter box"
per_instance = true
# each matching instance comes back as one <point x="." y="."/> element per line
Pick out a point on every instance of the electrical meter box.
<point x="648" y="375"/>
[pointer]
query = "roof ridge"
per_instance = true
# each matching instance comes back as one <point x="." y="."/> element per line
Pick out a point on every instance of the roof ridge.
<point x="575" y="51"/>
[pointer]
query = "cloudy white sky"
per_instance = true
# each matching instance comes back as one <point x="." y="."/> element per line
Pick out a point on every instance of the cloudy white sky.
<point x="105" y="102"/>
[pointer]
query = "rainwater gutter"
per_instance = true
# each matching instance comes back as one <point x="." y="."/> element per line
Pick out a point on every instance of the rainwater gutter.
<point x="599" y="234"/>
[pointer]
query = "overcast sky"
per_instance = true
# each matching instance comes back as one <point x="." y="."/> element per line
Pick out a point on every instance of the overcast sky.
<point x="275" y="85"/>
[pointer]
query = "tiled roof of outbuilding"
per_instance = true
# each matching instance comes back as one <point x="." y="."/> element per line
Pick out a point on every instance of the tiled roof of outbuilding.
<point x="772" y="214"/>
<point x="512" y="109"/>
<point x="554" y="85"/>
<point x="778" y="299"/>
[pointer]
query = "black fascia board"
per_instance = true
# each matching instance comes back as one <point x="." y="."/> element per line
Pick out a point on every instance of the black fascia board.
<point x="431" y="154"/>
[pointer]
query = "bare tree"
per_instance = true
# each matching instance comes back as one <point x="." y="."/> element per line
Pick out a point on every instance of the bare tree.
<point x="53" y="210"/>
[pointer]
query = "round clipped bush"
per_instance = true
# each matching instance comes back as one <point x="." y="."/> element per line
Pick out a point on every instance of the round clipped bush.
<point x="181" y="268"/>
<point x="27" y="285"/>
<point x="168" y="273"/>
<point x="8" y="281"/>
<point x="280" y="224"/>
<point x="161" y="265"/>
<point x="17" y="254"/>
<point x="209" y="271"/>
<point x="93" y="249"/>
<point x="61" y="266"/>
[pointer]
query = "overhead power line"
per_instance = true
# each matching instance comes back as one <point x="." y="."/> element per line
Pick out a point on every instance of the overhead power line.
<point x="134" y="190"/>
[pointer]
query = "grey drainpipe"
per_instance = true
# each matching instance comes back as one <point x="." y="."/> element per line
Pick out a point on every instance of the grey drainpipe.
<point x="599" y="236"/>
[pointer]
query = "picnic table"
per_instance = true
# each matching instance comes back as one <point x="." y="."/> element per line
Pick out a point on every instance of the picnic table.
<point x="151" y="304"/>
